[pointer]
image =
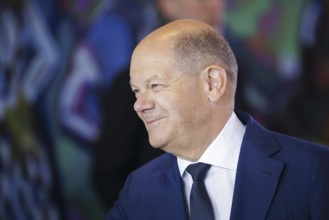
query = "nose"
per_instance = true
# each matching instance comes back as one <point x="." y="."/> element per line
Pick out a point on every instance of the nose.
<point x="143" y="102"/>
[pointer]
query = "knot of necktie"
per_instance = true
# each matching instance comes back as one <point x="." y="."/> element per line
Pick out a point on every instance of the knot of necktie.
<point x="198" y="171"/>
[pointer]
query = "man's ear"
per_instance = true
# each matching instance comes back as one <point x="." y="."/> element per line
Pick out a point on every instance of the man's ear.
<point x="216" y="78"/>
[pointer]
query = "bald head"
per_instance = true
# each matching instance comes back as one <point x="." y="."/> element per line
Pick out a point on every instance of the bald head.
<point x="193" y="45"/>
<point x="172" y="29"/>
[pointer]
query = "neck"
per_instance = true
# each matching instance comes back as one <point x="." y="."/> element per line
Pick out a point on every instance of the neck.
<point x="195" y="150"/>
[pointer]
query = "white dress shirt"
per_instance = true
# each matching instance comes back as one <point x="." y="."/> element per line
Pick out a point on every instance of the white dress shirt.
<point x="222" y="154"/>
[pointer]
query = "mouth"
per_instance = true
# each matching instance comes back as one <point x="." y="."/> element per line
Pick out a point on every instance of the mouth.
<point x="152" y="121"/>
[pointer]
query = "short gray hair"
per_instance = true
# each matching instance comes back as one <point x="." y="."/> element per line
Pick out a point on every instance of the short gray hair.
<point x="201" y="48"/>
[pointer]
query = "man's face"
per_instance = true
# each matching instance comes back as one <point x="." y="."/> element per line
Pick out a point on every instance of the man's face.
<point x="209" y="11"/>
<point x="170" y="103"/>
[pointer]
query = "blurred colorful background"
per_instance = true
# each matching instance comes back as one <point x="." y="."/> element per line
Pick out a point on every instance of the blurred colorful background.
<point x="68" y="133"/>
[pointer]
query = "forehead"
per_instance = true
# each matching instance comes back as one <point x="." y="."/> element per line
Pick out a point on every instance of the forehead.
<point x="152" y="61"/>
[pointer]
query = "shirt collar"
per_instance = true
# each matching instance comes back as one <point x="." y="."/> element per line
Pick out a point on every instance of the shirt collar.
<point x="224" y="151"/>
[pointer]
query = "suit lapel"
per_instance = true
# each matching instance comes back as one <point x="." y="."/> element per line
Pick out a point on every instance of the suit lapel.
<point x="257" y="174"/>
<point x="167" y="195"/>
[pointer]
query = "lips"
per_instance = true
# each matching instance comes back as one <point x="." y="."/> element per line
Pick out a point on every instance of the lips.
<point x="151" y="121"/>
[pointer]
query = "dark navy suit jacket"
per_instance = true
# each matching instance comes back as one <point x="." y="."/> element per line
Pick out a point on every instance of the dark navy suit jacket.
<point x="278" y="177"/>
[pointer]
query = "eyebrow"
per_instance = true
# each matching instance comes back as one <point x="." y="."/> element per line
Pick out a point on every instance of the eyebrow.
<point x="152" y="78"/>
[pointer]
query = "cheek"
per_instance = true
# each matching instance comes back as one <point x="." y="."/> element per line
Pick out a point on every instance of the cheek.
<point x="178" y="107"/>
<point x="192" y="108"/>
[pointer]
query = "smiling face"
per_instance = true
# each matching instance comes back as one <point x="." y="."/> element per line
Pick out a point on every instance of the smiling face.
<point x="184" y="95"/>
<point x="172" y="104"/>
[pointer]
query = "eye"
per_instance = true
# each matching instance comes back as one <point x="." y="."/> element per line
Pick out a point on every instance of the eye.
<point x="136" y="92"/>
<point x="156" y="86"/>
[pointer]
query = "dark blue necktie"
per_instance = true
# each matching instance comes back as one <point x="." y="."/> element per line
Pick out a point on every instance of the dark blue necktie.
<point x="200" y="205"/>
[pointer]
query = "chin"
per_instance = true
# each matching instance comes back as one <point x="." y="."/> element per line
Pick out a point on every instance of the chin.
<point x="154" y="143"/>
<point x="158" y="145"/>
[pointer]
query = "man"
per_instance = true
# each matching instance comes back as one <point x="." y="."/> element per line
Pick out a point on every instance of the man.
<point x="116" y="151"/>
<point x="184" y="79"/>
